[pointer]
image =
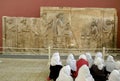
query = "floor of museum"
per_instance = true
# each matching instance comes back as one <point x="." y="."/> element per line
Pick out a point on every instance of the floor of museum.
<point x="27" y="69"/>
<point x="23" y="69"/>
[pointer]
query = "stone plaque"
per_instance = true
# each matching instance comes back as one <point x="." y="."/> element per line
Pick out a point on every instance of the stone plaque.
<point x="61" y="27"/>
<point x="88" y="27"/>
<point x="21" y="34"/>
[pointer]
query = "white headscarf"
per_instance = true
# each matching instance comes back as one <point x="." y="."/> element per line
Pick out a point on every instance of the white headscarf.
<point x="99" y="63"/>
<point x="114" y="76"/>
<point x="98" y="54"/>
<point x="65" y="74"/>
<point x="117" y="65"/>
<point x="89" y="58"/>
<point x="110" y="58"/>
<point x="82" y="56"/>
<point x="84" y="74"/>
<point x="110" y="63"/>
<point x="71" y="62"/>
<point x="55" y="60"/>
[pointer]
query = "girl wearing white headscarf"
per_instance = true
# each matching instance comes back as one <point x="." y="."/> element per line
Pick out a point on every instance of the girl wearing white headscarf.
<point x="110" y="64"/>
<point x="71" y="62"/>
<point x="82" y="56"/>
<point x="114" y="76"/>
<point x="65" y="74"/>
<point x="99" y="54"/>
<point x="117" y="65"/>
<point x="55" y="66"/>
<point x="55" y="60"/>
<point x="90" y="59"/>
<point x="98" y="70"/>
<point x="84" y="74"/>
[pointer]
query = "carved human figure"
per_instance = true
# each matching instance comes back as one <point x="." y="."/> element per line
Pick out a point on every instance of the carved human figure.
<point x="21" y="22"/>
<point x="46" y="27"/>
<point x="60" y="24"/>
<point x="58" y="28"/>
<point x="68" y="35"/>
<point x="27" y="31"/>
<point x="36" y="33"/>
<point x="44" y="23"/>
<point x="94" y="34"/>
<point x="10" y="33"/>
<point x="94" y="30"/>
<point x="108" y="30"/>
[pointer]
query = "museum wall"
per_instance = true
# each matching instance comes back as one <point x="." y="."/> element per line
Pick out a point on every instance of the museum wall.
<point x="31" y="8"/>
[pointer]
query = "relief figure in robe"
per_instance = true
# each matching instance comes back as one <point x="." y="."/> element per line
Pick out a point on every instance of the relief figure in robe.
<point x="11" y="33"/>
<point x="94" y="30"/>
<point x="108" y="33"/>
<point x="35" y="33"/>
<point x="21" y="23"/>
<point x="45" y="28"/>
<point x="94" y="33"/>
<point x="27" y="32"/>
<point x="68" y="35"/>
<point x="58" y="28"/>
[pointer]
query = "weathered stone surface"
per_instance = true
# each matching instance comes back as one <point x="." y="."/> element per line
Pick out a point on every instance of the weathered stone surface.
<point x="61" y="27"/>
<point x="85" y="27"/>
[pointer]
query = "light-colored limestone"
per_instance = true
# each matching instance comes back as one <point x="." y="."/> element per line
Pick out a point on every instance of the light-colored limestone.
<point x="61" y="27"/>
<point x="88" y="27"/>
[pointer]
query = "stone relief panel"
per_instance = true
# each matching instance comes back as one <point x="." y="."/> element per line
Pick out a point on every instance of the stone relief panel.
<point x="61" y="27"/>
<point x="58" y="27"/>
<point x="21" y="33"/>
<point x="89" y="27"/>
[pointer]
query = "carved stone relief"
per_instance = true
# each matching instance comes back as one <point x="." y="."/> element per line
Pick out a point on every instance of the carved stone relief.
<point x="62" y="27"/>
<point x="22" y="33"/>
<point x="57" y="27"/>
<point x="88" y="27"/>
<point x="10" y="33"/>
<point x="36" y="33"/>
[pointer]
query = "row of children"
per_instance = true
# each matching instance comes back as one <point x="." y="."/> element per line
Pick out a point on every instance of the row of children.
<point x="84" y="69"/>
